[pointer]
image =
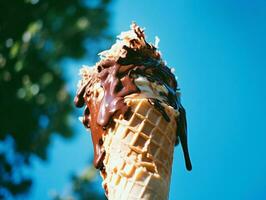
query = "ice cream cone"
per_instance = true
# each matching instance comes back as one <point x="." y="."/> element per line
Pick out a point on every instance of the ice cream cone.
<point x="133" y="108"/>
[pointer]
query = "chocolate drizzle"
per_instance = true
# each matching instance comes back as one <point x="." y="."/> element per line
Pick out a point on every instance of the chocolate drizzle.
<point x="157" y="104"/>
<point x="182" y="135"/>
<point x="116" y="77"/>
<point x="115" y="89"/>
<point x="79" y="98"/>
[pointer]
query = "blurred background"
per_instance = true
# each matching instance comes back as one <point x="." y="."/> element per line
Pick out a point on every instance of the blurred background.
<point x="218" y="51"/>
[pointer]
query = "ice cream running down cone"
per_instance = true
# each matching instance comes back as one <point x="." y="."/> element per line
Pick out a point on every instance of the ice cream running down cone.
<point x="132" y="106"/>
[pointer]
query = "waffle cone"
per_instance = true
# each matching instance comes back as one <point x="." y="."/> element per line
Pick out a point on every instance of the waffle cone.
<point x="139" y="153"/>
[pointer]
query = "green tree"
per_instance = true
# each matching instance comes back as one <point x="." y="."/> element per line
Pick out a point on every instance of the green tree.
<point x="84" y="186"/>
<point x="35" y="36"/>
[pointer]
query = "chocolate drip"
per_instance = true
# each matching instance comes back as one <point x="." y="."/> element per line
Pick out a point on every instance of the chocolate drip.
<point x="182" y="135"/>
<point x="115" y="89"/>
<point x="89" y="119"/>
<point x="96" y="133"/>
<point x="157" y="104"/>
<point x="79" y="98"/>
<point x="86" y="117"/>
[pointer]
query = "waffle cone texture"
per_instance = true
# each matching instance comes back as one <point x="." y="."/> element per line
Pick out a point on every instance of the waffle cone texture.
<point x="139" y="153"/>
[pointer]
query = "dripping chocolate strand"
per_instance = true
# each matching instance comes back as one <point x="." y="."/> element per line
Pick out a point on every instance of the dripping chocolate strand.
<point x="79" y="98"/>
<point x="89" y="118"/>
<point x="86" y="117"/>
<point x="97" y="133"/>
<point x="182" y="135"/>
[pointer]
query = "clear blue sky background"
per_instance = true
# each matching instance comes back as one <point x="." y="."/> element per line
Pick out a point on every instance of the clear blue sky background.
<point x="218" y="50"/>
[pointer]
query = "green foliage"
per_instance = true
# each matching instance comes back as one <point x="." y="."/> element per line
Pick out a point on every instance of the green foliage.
<point x="35" y="35"/>
<point x="83" y="187"/>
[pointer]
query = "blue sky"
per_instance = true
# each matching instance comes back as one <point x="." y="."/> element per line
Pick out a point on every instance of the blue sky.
<point x="218" y="51"/>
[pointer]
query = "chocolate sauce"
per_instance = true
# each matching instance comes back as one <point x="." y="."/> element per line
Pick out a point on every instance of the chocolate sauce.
<point x="90" y="121"/>
<point x="96" y="133"/>
<point x="156" y="67"/>
<point x="114" y="90"/>
<point x="117" y="80"/>
<point x="182" y="135"/>
<point x="86" y="117"/>
<point x="157" y="104"/>
<point x="79" y="98"/>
